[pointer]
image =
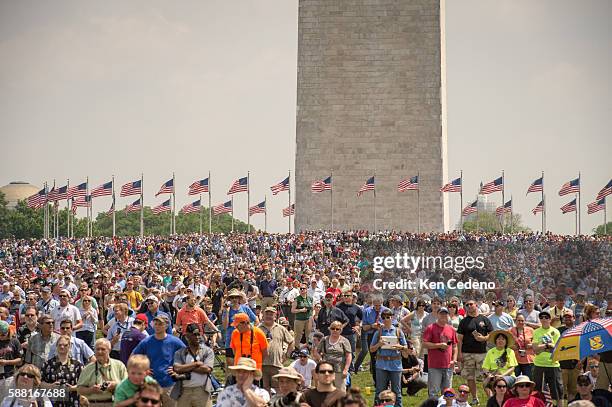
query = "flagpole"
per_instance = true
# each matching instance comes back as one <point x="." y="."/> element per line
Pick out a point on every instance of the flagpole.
<point x="88" y="205"/>
<point x="232" y="213"/>
<point x="511" y="214"/>
<point x="543" y="207"/>
<point x="201" y="213"/>
<point x="331" y="198"/>
<point x="503" y="223"/>
<point x="248" y="202"/>
<point x="141" y="205"/>
<point x="477" y="212"/>
<point x="68" y="208"/>
<point x="418" y="202"/>
<point x="461" y="199"/>
<point x="578" y="209"/>
<point x="374" y="200"/>
<point x="605" y="215"/>
<point x="265" y="213"/>
<point x="45" y="212"/>
<point x="209" y="207"/>
<point x="170" y="216"/>
<point x="289" y="190"/>
<point x="173" y="205"/>
<point x="576" y="215"/>
<point x="114" y="207"/>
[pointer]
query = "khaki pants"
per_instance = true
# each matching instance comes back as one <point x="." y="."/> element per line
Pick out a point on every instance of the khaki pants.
<point x="267" y="302"/>
<point x="267" y="372"/>
<point x="605" y="376"/>
<point x="569" y="377"/>
<point x="340" y="381"/>
<point x="299" y="328"/>
<point x="194" y="397"/>
<point x="165" y="397"/>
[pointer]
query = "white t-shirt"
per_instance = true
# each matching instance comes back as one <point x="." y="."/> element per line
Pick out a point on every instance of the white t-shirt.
<point x="305" y="370"/>
<point x="60" y="313"/>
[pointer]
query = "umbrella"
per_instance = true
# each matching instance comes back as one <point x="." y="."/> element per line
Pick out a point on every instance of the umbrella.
<point x="588" y="338"/>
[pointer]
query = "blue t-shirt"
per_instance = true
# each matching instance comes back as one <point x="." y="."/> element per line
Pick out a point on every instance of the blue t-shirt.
<point x="389" y="365"/>
<point x="150" y="329"/>
<point x="244" y="309"/>
<point x="161" y="355"/>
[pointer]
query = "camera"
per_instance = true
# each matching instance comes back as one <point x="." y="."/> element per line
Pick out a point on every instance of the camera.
<point x="288" y="401"/>
<point x="181" y="377"/>
<point x="104" y="386"/>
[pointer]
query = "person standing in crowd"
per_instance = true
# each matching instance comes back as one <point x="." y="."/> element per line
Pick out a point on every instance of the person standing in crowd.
<point x="98" y="380"/>
<point x="289" y="386"/>
<point x="523" y="347"/>
<point x="546" y="370"/>
<point x="10" y="351"/>
<point x="570" y="369"/>
<point x="325" y="394"/>
<point x="415" y="320"/>
<point x="328" y="314"/>
<point x="245" y="392"/>
<point x="87" y="332"/>
<point x="501" y="394"/>
<point x="301" y="307"/>
<point x="579" y="304"/>
<point x="133" y="296"/>
<point x="160" y="349"/>
<point x="354" y="315"/>
<point x="472" y="334"/>
<point x="388" y="357"/>
<point x="441" y="341"/>
<point x="511" y="308"/>
<point x="267" y="290"/>
<point x="131" y="338"/>
<point x="248" y="341"/>
<point x="500" y="360"/>
<point x="304" y="365"/>
<point x="47" y="303"/>
<point x="372" y="320"/>
<point x="152" y="312"/>
<point x="530" y="313"/>
<point x="557" y="312"/>
<point x="232" y="308"/>
<point x="126" y="393"/>
<point x="280" y="346"/>
<point x="593" y="372"/>
<point x="196" y="361"/>
<point x="585" y="392"/>
<point x="523" y="388"/>
<point x="191" y="313"/>
<point x="120" y="324"/>
<point x="499" y="319"/>
<point x="453" y="316"/>
<point x="63" y="371"/>
<point x="336" y="349"/>
<point x="78" y="348"/>
<point x="29" y="327"/>
<point x="38" y="350"/>
<point x="65" y="310"/>
<point x="27" y="380"/>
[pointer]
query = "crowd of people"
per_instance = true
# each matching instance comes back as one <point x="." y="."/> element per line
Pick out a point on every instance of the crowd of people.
<point x="294" y="319"/>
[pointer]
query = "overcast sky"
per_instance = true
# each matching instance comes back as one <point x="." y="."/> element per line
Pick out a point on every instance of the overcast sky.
<point x="101" y="88"/>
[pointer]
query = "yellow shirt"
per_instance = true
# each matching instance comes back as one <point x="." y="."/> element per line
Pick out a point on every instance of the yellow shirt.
<point x="134" y="299"/>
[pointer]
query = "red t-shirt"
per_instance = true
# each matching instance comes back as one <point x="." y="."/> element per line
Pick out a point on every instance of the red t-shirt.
<point x="438" y="358"/>
<point x="532" y="401"/>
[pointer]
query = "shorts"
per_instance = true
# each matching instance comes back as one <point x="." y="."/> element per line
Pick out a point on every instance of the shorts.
<point x="471" y="367"/>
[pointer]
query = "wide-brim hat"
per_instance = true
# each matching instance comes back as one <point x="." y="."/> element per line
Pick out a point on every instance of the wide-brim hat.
<point x="236" y="293"/>
<point x="523" y="379"/>
<point x="508" y="335"/>
<point x="247" y="364"/>
<point x="289" y="373"/>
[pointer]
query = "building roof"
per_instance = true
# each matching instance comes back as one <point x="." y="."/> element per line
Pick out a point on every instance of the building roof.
<point x="17" y="191"/>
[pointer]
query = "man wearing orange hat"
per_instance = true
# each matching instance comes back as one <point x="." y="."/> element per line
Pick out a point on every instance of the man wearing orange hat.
<point x="248" y="341"/>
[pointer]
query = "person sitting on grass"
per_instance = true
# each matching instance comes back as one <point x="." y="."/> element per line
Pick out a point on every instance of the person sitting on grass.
<point x="128" y="391"/>
<point x="450" y="398"/>
<point x="387" y="398"/>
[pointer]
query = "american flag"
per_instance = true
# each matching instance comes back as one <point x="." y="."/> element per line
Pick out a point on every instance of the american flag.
<point x="77" y="190"/>
<point x="596" y="206"/>
<point x="569" y="207"/>
<point x="223" y="208"/>
<point x="198" y="187"/>
<point x="548" y="401"/>
<point x="83" y="201"/>
<point x="368" y="186"/>
<point x="259" y="208"/>
<point x="103" y="190"/>
<point x="74" y="208"/>
<point x="505" y="208"/>
<point x="453" y="186"/>
<point x="570" y="187"/>
<point x="51" y="195"/>
<point x="471" y="208"/>
<point x="61" y="193"/>
<point x="38" y="199"/>
<point x="240" y="185"/>
<point x="289" y="211"/>
<point x="111" y="210"/>
<point x="131" y="188"/>
<point x="536" y="186"/>
<point x="605" y="191"/>
<point x="411" y="184"/>
<point x="321" y="185"/>
<point x="163" y="207"/>
<point x="134" y="207"/>
<point x="166" y="188"/>
<point x="539" y="208"/>
<point x="493" y="186"/>
<point x="193" y="207"/>
<point x="281" y="186"/>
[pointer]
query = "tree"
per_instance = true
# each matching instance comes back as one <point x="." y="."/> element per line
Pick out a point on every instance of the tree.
<point x="489" y="222"/>
<point x="4" y="218"/>
<point x="599" y="230"/>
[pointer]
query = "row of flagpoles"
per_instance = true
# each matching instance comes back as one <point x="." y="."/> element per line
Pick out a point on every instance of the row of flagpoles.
<point x="80" y="196"/>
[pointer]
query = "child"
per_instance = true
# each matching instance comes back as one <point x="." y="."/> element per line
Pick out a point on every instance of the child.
<point x="127" y="392"/>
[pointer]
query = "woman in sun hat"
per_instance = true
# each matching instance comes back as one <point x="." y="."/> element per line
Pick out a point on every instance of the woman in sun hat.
<point x="523" y="388"/>
<point x="288" y="381"/>
<point x="244" y="392"/>
<point x="500" y="360"/>
<point x="233" y="306"/>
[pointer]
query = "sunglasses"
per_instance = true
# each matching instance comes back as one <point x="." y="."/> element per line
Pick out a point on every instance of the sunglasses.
<point x="28" y="375"/>
<point x="30" y="315"/>
<point x="326" y="372"/>
<point x="449" y="395"/>
<point x="464" y="391"/>
<point x="334" y="329"/>
<point x="386" y="317"/>
<point x="593" y="366"/>
<point x="386" y="400"/>
<point x="544" y="317"/>
<point x="148" y="400"/>
<point x="523" y="385"/>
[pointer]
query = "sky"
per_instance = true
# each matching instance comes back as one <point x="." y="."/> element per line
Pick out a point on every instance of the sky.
<point x="101" y="88"/>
